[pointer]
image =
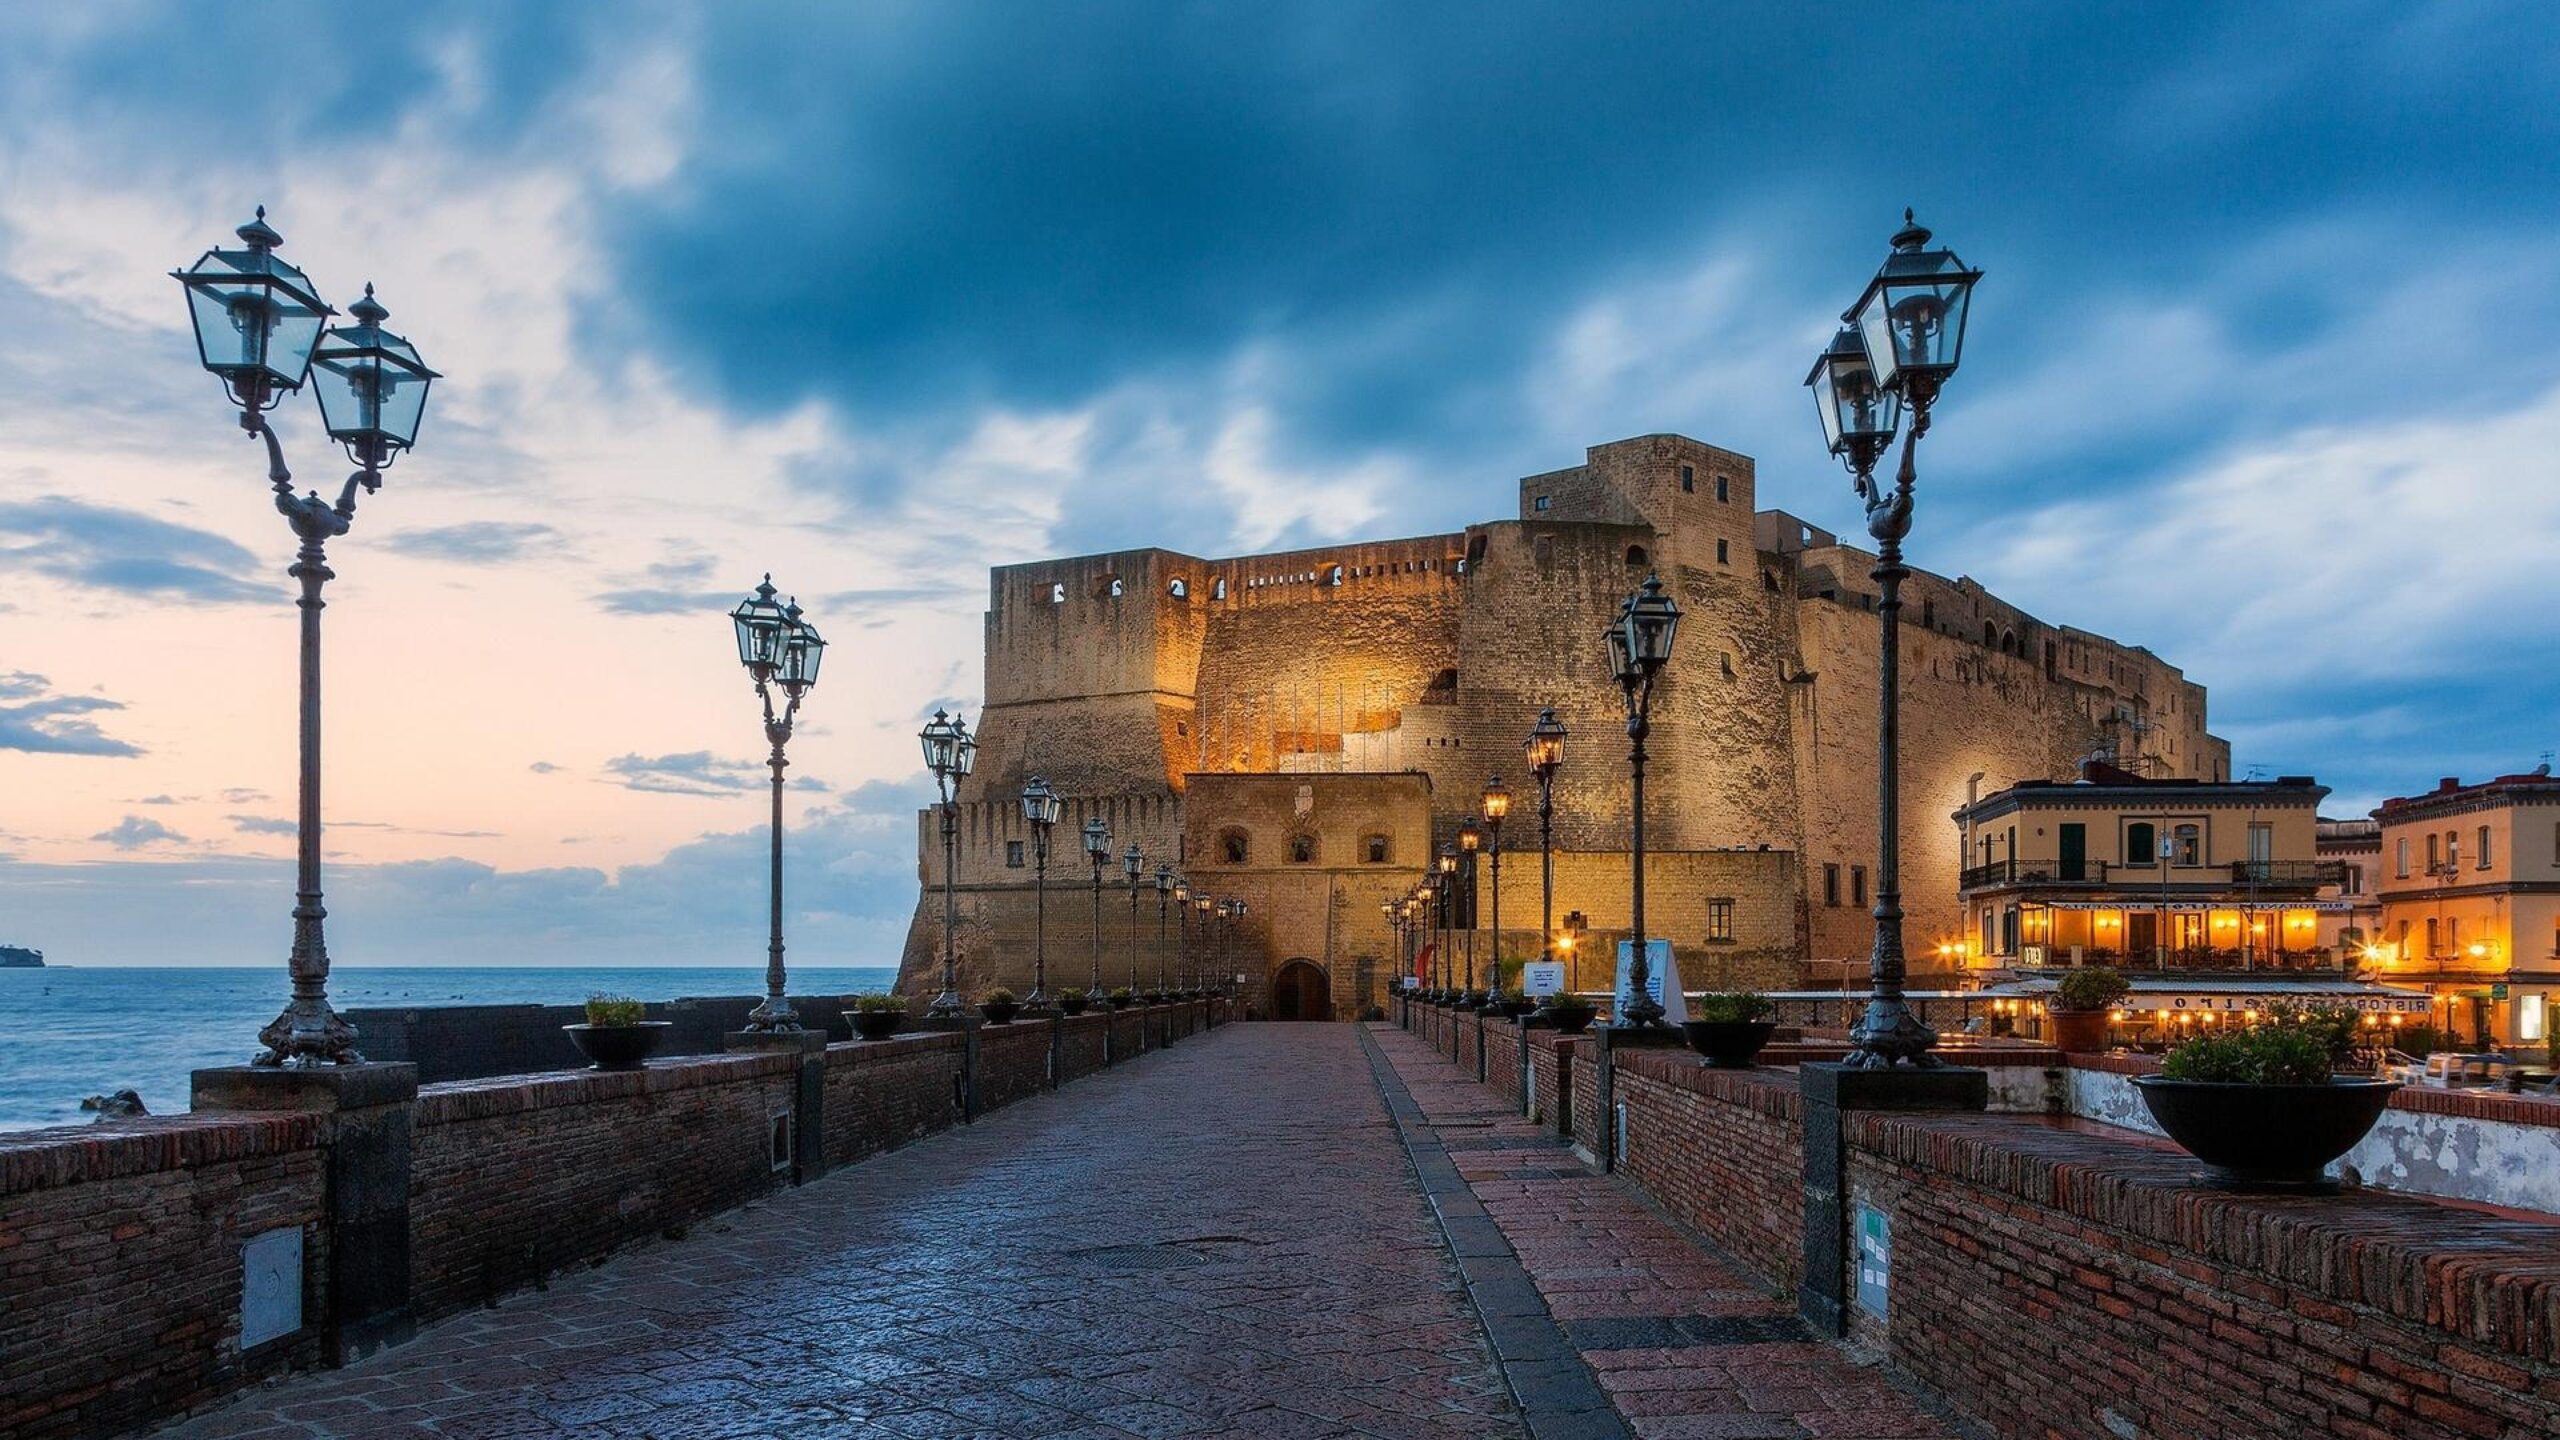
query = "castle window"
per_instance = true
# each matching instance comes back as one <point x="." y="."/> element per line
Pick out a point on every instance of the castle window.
<point x="1769" y="581"/>
<point x="1636" y="555"/>
<point x="1857" y="884"/>
<point x="1218" y="590"/>
<point x="1721" y="557"/>
<point x="1178" y="588"/>
<point x="1540" y="503"/>
<point x="1688" y="479"/>
<point x="1373" y="850"/>
<point x="1111" y="591"/>
<point x="1058" y="593"/>
<point x="1720" y="921"/>
<point x="2008" y="642"/>
<point x="1724" y="488"/>
<point x="1302" y="849"/>
<point x="1013" y="854"/>
<point x="1446" y="679"/>
<point x="1831" y="885"/>
<point x="1333" y="576"/>
<point x="1990" y="633"/>
<point x="1546" y="551"/>
<point x="1234" y="848"/>
<point x="1928" y="614"/>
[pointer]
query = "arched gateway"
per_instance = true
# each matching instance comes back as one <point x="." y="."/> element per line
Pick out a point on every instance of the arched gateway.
<point x="1301" y="991"/>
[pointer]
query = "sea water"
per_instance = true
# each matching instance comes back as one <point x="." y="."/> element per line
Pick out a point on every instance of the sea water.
<point x="69" y="1032"/>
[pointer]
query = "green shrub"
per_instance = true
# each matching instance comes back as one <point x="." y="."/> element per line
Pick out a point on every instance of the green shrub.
<point x="615" y="1010"/>
<point x="874" y="1004"/>
<point x="2289" y="1047"/>
<point x="1565" y="1002"/>
<point x="1733" y="1006"/>
<point x="1122" y="994"/>
<point x="997" y="996"/>
<point x="2090" y="987"/>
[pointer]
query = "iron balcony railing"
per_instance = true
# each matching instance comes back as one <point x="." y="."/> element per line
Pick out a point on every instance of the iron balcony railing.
<point x="2272" y="874"/>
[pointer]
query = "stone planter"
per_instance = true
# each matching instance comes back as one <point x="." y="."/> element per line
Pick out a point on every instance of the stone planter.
<point x="1072" y="1002"/>
<point x="1120" y="1002"/>
<point x="999" y="1012"/>
<point x="2079" y="1031"/>
<point x="875" y="1024"/>
<point x="1729" y="1044"/>
<point x="2267" y="1137"/>
<point x="618" y="1047"/>
<point x="1568" y="1024"/>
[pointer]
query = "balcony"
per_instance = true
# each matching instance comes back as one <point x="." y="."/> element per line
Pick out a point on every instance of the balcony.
<point x="2289" y="874"/>
<point x="2270" y="874"/>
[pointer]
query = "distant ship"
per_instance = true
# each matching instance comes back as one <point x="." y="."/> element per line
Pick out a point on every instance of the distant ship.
<point x="18" y="957"/>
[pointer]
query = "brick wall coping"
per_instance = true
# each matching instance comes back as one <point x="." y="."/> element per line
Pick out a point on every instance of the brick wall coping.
<point x="76" y="1154"/>
<point x="2419" y="1099"/>
<point x="2491" y="1280"/>
<point x="457" y="1100"/>
<point x="1770" y="1092"/>
<point x="897" y="1047"/>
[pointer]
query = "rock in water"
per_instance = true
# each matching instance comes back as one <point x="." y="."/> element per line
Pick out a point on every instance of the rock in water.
<point x="123" y="1104"/>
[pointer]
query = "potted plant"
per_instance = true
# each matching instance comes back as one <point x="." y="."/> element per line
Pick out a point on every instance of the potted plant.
<point x="2262" y="1105"/>
<point x="1511" y="1004"/>
<point x="1569" y="1013"/>
<point x="1120" y="998"/>
<point x="999" y="1006"/>
<point x="618" y="1033"/>
<point x="2080" y="1005"/>
<point x="1729" y="1028"/>
<point x="1072" y="1002"/>
<point x="877" y="1017"/>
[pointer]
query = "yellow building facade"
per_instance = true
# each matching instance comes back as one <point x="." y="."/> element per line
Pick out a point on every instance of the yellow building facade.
<point x="2470" y="891"/>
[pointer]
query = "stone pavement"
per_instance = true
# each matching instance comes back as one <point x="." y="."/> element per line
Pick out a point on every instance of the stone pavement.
<point x="1683" y="1345"/>
<point x="1223" y="1238"/>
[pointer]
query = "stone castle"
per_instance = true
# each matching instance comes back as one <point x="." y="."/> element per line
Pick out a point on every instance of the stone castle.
<point x="1303" y="730"/>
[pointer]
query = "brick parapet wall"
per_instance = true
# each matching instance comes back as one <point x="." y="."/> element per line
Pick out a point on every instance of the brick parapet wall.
<point x="881" y="1094"/>
<point x="1084" y="1045"/>
<point x="1723" y="1151"/>
<point x="1502" y="1058"/>
<point x="1550" y="1059"/>
<point x="120" y="1275"/>
<point x="1013" y="1062"/>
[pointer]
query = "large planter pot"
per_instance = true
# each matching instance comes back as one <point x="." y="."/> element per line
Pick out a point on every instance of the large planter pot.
<point x="1120" y="1002"/>
<point x="875" y="1024"/>
<point x="2267" y="1137"/>
<point x="1072" y="1002"/>
<point x="999" y="1012"/>
<point x="1729" y="1044"/>
<point x="2079" y="1031"/>
<point x="618" y="1047"/>
<point x="1573" y="1024"/>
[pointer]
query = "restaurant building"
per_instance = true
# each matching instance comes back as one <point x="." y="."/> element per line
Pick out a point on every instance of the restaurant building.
<point x="2470" y="892"/>
<point x="2187" y="876"/>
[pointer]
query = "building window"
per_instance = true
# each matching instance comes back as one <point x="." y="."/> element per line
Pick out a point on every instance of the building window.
<point x="2401" y="869"/>
<point x="1058" y="593"/>
<point x="2532" y="1016"/>
<point x="2141" y="845"/>
<point x="1302" y="849"/>
<point x="1831" y="885"/>
<point x="1013" y="854"/>
<point x="1218" y="590"/>
<point x="1857" y="884"/>
<point x="1635" y="555"/>
<point x="1724" y="488"/>
<point x="1178" y="588"/>
<point x="2483" y="861"/>
<point x="1721" y="553"/>
<point x="2435" y="853"/>
<point x="2432" y="951"/>
<point x="1234" y="848"/>
<point x="1720" y="922"/>
<point x="1539" y="504"/>
<point x="1373" y="850"/>
<point x="1688" y="478"/>
<point x="2190" y="845"/>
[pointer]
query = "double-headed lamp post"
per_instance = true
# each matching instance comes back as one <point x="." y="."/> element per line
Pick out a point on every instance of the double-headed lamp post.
<point x="951" y="752"/>
<point x="1040" y="806"/>
<point x="778" y="647"/>
<point x="1134" y="865"/>
<point x="1097" y="848"/>
<point x="1897" y="346"/>
<point x="259" y="325"/>
<point x="1164" y="899"/>
<point x="1639" y="646"/>
<point x="1495" y="803"/>
<point x="1544" y="752"/>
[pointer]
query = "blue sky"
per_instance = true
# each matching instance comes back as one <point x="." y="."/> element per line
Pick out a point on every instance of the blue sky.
<point x="2266" y="376"/>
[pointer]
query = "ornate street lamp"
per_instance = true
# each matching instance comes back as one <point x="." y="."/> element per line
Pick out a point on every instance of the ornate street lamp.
<point x="1164" y="897"/>
<point x="1544" y="752"/>
<point x="1133" y="864"/>
<point x="1903" y="340"/>
<point x="1203" y="905"/>
<point x="1226" y="938"/>
<point x="1444" y="876"/>
<point x="259" y="328"/>
<point x="1395" y="949"/>
<point x="1470" y="842"/>
<point x="1495" y="803"/>
<point x="1639" y="647"/>
<point x="778" y="647"/>
<point x="1097" y="848"/>
<point x="1040" y="806"/>
<point x="951" y="752"/>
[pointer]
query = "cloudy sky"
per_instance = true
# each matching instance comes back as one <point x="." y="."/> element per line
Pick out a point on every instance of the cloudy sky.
<point x="2266" y="376"/>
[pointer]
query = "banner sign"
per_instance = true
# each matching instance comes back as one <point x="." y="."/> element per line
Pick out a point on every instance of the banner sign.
<point x="1662" y="981"/>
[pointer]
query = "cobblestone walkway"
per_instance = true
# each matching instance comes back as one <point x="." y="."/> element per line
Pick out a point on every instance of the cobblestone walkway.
<point x="1225" y="1238"/>
<point x="1683" y="1345"/>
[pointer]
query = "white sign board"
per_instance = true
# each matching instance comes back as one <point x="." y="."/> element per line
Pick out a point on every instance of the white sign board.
<point x="1413" y="982"/>
<point x="1662" y="980"/>
<point x="1542" y="978"/>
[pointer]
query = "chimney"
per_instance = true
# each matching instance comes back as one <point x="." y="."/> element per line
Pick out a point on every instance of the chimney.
<point x="2450" y="782"/>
